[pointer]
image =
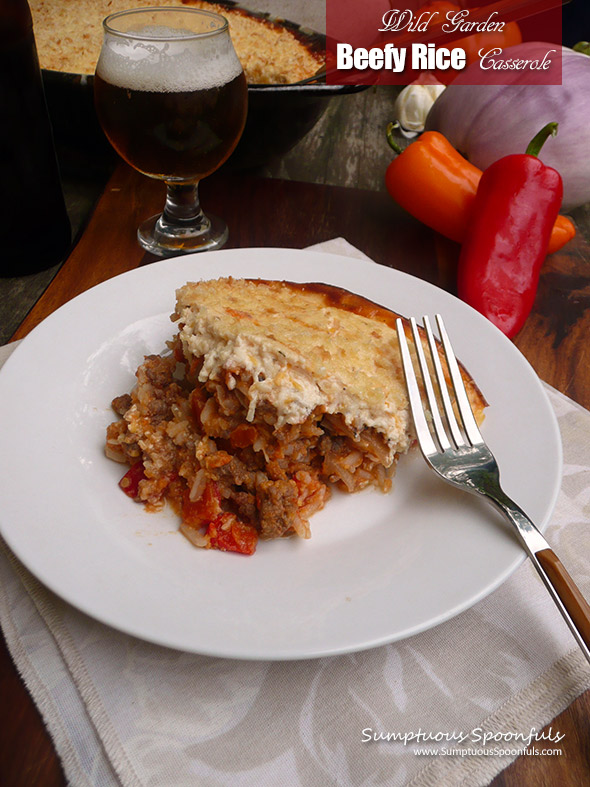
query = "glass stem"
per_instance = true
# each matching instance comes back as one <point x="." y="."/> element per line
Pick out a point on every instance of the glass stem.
<point x="183" y="206"/>
<point x="182" y="227"/>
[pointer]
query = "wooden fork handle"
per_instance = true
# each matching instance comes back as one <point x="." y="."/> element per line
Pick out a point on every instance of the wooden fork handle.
<point x="567" y="590"/>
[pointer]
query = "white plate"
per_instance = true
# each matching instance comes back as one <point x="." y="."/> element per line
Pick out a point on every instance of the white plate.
<point x="378" y="567"/>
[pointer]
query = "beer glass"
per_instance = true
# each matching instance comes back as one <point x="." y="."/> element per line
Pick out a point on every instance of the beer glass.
<point x="171" y="96"/>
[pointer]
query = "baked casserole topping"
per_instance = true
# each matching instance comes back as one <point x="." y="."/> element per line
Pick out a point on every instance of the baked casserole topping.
<point x="68" y="34"/>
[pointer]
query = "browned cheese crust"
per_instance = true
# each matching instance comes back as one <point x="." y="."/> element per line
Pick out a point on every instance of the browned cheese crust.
<point x="351" y="302"/>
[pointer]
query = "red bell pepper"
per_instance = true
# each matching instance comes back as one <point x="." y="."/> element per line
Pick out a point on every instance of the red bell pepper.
<point x="229" y="534"/>
<point x="515" y="207"/>
<point x="130" y="481"/>
<point x="196" y="513"/>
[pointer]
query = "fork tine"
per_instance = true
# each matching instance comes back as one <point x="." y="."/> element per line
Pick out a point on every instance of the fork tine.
<point x="469" y="422"/>
<point x="439" y="428"/>
<point x="442" y="386"/>
<point x="425" y="441"/>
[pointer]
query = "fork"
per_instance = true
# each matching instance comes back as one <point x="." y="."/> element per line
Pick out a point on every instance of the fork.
<point x="458" y="453"/>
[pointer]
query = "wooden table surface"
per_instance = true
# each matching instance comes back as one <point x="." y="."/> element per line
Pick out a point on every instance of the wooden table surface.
<point x="270" y="211"/>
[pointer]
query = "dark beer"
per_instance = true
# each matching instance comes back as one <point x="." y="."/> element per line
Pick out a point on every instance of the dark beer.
<point x="35" y="225"/>
<point x="172" y="106"/>
<point x="171" y="96"/>
<point x="181" y="136"/>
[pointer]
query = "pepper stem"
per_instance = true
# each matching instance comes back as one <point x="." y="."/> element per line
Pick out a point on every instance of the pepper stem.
<point x="537" y="142"/>
<point x="393" y="143"/>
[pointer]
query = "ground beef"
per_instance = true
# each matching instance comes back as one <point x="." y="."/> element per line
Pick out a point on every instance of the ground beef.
<point x="277" y="504"/>
<point x="121" y="404"/>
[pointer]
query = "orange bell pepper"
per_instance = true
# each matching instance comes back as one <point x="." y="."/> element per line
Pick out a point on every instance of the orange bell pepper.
<point x="563" y="231"/>
<point x="433" y="182"/>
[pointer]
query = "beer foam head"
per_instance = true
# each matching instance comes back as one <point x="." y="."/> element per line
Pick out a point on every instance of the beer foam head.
<point x="169" y="61"/>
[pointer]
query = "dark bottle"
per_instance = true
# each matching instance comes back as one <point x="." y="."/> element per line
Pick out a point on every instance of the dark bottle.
<point x="35" y="231"/>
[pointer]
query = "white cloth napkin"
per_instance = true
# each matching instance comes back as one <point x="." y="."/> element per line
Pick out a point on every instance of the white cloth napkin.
<point x="125" y="712"/>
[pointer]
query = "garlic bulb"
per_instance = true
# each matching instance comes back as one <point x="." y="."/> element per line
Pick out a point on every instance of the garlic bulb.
<point x="413" y="105"/>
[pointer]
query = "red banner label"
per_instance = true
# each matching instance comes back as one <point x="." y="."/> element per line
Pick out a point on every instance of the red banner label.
<point x="396" y="43"/>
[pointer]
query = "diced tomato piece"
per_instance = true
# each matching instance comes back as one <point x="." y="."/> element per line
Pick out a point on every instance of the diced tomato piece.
<point x="243" y="436"/>
<point x="202" y="511"/>
<point x="227" y="533"/>
<point x="130" y="481"/>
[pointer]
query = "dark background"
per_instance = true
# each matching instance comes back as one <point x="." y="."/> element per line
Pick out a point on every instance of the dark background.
<point x="576" y="22"/>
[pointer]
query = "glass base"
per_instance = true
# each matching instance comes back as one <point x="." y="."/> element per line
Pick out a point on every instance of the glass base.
<point x="166" y="240"/>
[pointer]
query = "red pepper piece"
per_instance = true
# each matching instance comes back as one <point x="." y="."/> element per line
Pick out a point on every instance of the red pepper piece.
<point x="515" y="208"/>
<point x="243" y="436"/>
<point x="198" y="512"/>
<point x="227" y="533"/>
<point x="130" y="481"/>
